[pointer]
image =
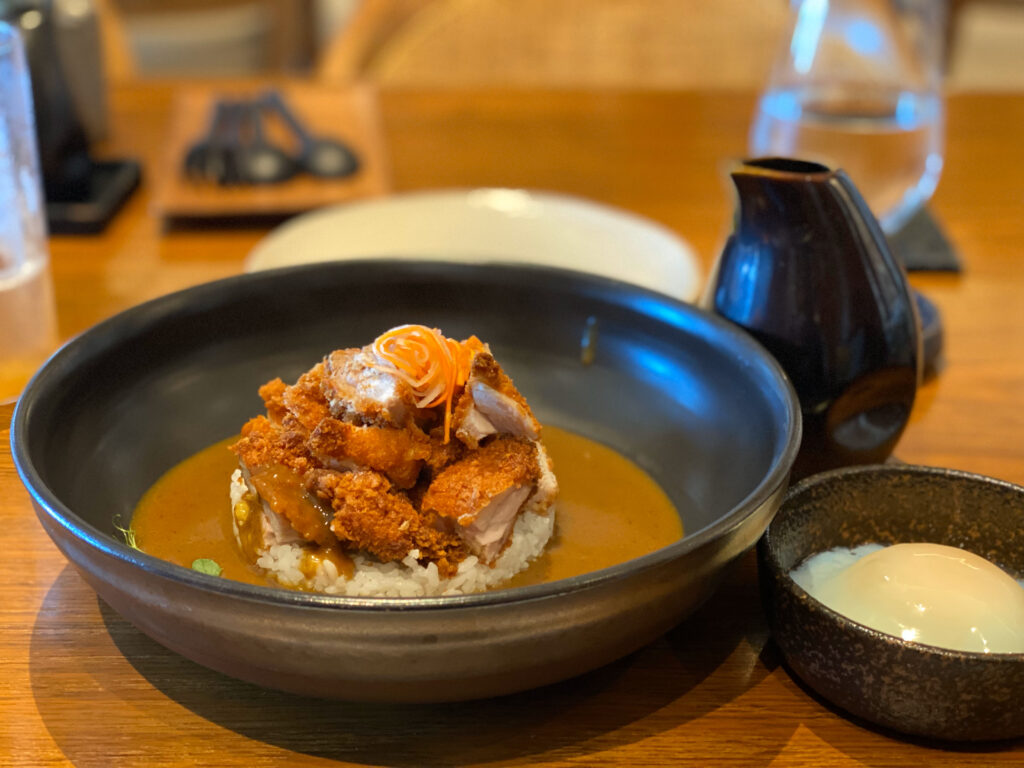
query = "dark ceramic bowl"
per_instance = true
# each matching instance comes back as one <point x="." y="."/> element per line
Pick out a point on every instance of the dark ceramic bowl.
<point x="908" y="687"/>
<point x="691" y="399"/>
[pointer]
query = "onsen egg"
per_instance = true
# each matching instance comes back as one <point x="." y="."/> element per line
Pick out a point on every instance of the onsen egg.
<point x="925" y="593"/>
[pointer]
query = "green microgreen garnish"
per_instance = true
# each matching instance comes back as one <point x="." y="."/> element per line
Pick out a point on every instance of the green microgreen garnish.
<point x="207" y="566"/>
<point x="128" y="533"/>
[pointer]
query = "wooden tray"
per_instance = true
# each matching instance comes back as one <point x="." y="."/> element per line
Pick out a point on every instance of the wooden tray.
<point x="349" y="114"/>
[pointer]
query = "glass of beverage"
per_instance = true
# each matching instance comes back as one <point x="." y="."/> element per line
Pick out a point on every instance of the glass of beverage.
<point x="857" y="86"/>
<point x="28" y="320"/>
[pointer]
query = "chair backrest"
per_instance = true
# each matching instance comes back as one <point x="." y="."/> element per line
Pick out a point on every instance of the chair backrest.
<point x="984" y="42"/>
<point x="571" y="43"/>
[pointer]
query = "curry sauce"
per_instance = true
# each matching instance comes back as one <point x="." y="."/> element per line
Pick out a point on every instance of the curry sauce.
<point x="608" y="511"/>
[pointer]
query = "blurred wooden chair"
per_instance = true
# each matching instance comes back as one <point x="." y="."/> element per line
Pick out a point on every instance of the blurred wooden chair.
<point x="193" y="37"/>
<point x="569" y="43"/>
<point x="984" y="49"/>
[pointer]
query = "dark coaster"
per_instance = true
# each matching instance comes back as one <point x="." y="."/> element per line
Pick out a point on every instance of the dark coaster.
<point x="922" y="245"/>
<point x="110" y="184"/>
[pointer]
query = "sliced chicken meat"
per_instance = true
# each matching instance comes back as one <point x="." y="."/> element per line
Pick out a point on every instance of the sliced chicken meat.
<point x="491" y="405"/>
<point x="257" y="527"/>
<point x="286" y="494"/>
<point x="358" y="392"/>
<point x="546" y="490"/>
<point x="481" y="495"/>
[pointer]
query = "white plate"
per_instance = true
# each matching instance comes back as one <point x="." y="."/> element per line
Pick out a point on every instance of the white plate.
<point x="482" y="225"/>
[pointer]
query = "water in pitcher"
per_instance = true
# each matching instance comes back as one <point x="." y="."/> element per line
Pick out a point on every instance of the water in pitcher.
<point x="888" y="142"/>
<point x="27" y="335"/>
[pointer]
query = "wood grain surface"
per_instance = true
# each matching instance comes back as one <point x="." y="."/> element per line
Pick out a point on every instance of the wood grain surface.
<point x="80" y="686"/>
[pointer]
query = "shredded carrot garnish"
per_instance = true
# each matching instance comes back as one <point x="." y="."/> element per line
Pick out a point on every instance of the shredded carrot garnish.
<point x="433" y="365"/>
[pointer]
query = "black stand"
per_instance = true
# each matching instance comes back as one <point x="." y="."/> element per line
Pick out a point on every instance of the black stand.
<point x="110" y="184"/>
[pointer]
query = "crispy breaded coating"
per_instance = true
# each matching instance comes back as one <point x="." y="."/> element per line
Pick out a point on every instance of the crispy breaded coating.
<point x="346" y="458"/>
<point x="398" y="453"/>
<point x="272" y="394"/>
<point x="263" y="443"/>
<point x="305" y="401"/>
<point x="466" y="487"/>
<point x="441" y="453"/>
<point x="484" y="368"/>
<point x="368" y="516"/>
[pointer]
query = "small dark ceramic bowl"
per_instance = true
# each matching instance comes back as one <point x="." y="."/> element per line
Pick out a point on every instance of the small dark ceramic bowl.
<point x="908" y="687"/>
<point x="696" y="402"/>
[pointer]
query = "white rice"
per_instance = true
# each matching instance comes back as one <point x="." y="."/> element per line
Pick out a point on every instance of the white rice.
<point x="407" y="578"/>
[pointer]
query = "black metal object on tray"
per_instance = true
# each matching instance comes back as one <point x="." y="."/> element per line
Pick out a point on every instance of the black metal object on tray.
<point x="235" y="150"/>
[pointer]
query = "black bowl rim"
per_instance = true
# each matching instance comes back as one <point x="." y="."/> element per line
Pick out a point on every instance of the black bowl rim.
<point x="849" y="625"/>
<point x="161" y="306"/>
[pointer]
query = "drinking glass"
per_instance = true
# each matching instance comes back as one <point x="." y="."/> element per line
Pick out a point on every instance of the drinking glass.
<point x="28" y="321"/>
<point x="857" y="86"/>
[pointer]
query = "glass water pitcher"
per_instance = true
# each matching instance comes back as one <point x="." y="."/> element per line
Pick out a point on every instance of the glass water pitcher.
<point x="857" y="85"/>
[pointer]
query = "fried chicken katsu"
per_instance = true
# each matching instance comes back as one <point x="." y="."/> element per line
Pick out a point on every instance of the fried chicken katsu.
<point x="415" y="453"/>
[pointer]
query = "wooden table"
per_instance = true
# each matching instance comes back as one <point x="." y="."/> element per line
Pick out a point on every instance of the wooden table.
<point x="79" y="686"/>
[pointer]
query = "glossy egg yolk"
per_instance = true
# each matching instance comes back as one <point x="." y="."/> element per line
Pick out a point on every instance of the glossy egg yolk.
<point x="927" y="593"/>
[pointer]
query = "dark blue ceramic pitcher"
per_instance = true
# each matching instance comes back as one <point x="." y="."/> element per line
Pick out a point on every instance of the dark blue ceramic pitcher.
<point x="808" y="272"/>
